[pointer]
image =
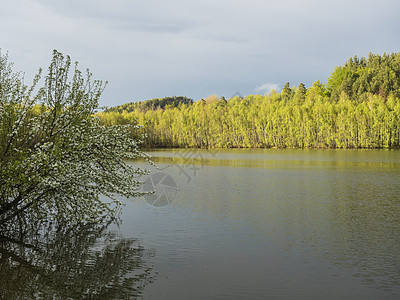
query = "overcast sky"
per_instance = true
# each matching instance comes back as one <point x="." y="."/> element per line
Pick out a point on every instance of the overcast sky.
<point x="153" y="48"/>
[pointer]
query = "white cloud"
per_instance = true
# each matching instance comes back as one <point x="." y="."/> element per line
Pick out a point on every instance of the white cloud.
<point x="267" y="87"/>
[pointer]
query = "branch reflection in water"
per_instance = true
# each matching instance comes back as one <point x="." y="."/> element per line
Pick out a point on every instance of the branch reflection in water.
<point x="49" y="260"/>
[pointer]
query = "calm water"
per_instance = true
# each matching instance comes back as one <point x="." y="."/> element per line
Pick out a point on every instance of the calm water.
<point x="278" y="224"/>
<point x="259" y="224"/>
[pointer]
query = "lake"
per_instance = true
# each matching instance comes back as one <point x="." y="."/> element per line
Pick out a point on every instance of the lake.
<point x="277" y="224"/>
<point x="260" y="224"/>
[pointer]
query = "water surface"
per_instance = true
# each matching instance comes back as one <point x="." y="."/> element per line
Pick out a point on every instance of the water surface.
<point x="272" y="224"/>
<point x="229" y="224"/>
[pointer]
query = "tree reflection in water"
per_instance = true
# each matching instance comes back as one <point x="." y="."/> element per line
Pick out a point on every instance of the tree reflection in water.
<point x="49" y="260"/>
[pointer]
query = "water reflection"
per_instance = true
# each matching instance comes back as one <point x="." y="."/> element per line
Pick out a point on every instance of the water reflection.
<point x="273" y="158"/>
<point x="45" y="260"/>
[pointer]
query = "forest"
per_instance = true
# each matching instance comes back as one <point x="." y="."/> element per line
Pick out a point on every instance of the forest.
<point x="358" y="107"/>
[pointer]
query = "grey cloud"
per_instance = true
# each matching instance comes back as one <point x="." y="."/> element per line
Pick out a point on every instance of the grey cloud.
<point x="152" y="48"/>
<point x="120" y="15"/>
<point x="150" y="26"/>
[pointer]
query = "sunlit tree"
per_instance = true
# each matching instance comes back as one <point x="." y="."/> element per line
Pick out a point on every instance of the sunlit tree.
<point x="57" y="160"/>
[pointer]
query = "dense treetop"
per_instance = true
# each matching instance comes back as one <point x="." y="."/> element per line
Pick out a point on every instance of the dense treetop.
<point x="152" y="104"/>
<point x="377" y="74"/>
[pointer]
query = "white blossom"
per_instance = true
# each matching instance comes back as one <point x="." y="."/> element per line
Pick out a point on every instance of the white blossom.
<point x="56" y="158"/>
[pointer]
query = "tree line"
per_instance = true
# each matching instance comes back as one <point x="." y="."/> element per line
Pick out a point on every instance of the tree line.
<point x="151" y="104"/>
<point x="359" y="107"/>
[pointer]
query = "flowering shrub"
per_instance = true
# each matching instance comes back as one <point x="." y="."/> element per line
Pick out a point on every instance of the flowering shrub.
<point x="56" y="159"/>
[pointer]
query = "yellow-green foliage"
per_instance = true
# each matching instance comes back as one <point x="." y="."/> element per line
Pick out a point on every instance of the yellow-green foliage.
<point x="313" y="121"/>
